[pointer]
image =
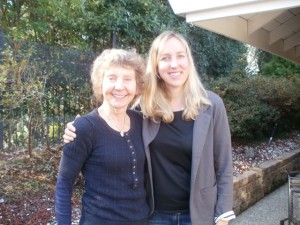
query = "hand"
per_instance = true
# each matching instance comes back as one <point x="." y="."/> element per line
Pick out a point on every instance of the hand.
<point x="70" y="130"/>
<point x="222" y="222"/>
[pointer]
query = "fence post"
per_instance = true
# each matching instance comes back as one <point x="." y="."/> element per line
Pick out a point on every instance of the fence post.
<point x="1" y="106"/>
<point x="1" y="123"/>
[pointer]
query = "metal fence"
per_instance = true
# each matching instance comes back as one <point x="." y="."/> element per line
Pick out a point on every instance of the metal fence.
<point x="42" y="88"/>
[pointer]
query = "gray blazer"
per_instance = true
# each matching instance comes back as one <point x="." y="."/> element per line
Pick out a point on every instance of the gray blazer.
<point x="212" y="175"/>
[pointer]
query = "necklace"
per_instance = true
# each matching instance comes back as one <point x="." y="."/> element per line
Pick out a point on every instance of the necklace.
<point x="121" y="131"/>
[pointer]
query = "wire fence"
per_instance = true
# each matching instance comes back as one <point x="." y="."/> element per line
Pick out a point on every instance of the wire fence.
<point x="42" y="88"/>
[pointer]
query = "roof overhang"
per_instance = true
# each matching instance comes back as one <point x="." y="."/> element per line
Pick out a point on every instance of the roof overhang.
<point x="271" y="25"/>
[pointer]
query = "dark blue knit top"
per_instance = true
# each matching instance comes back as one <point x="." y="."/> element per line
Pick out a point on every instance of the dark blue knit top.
<point x="113" y="170"/>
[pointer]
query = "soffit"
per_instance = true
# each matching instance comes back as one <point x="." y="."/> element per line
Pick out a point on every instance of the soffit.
<point x="271" y="25"/>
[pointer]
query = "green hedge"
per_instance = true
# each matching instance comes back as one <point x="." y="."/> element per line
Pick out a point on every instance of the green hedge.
<point x="256" y="104"/>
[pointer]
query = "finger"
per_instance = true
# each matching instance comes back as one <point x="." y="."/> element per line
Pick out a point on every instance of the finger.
<point x="70" y="133"/>
<point x="222" y="222"/>
<point x="70" y="127"/>
<point x="67" y="139"/>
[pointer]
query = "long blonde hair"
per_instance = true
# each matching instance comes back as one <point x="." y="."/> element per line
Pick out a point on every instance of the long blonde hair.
<point x="155" y="102"/>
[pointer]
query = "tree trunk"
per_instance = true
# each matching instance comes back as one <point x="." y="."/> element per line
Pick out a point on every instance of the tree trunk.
<point x="30" y="137"/>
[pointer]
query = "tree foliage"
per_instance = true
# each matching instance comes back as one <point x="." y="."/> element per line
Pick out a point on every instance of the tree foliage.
<point x="216" y="55"/>
<point x="280" y="67"/>
<point x="272" y="65"/>
<point x="92" y="26"/>
<point x="99" y="24"/>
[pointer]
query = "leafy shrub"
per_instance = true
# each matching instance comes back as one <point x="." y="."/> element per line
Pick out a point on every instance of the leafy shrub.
<point x="280" y="67"/>
<point x="256" y="104"/>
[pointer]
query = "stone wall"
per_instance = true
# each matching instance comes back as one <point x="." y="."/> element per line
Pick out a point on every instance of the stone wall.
<point x="258" y="182"/>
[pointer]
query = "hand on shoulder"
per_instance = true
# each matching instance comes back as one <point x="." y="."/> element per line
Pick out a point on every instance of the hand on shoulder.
<point x="70" y="130"/>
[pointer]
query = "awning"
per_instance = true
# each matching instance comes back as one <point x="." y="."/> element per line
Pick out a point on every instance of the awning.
<point x="271" y="25"/>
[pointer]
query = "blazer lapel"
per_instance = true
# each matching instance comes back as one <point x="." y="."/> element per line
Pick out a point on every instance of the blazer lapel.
<point x="201" y="126"/>
<point x="150" y="130"/>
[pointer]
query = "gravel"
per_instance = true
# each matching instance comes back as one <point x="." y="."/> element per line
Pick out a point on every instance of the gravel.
<point x="245" y="157"/>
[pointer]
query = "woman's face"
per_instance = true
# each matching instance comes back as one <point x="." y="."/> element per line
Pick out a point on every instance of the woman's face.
<point x="173" y="65"/>
<point x="119" y="86"/>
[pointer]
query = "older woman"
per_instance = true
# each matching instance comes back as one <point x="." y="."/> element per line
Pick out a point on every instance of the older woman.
<point x="108" y="149"/>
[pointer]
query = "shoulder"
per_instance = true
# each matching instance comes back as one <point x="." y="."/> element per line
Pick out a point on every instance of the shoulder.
<point x="217" y="104"/>
<point x="86" y="122"/>
<point x="214" y="98"/>
<point x="134" y="113"/>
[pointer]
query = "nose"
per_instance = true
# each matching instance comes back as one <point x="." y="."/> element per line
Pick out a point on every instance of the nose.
<point x="119" y="84"/>
<point x="173" y="63"/>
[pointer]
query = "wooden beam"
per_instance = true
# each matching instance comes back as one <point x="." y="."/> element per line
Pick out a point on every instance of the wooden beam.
<point x="233" y="27"/>
<point x="259" y="39"/>
<point x="298" y="52"/>
<point x="259" y="20"/>
<point x="291" y="42"/>
<point x="288" y="27"/>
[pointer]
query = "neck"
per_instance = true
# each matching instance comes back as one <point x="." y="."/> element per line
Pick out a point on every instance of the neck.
<point x="115" y="113"/>
<point x="176" y="101"/>
<point x="116" y="119"/>
<point x="177" y="106"/>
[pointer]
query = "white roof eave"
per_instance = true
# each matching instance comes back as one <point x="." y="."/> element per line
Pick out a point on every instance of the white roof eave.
<point x="250" y="21"/>
<point x="213" y="9"/>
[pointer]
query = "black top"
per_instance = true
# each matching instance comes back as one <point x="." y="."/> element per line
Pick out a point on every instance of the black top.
<point x="171" y="158"/>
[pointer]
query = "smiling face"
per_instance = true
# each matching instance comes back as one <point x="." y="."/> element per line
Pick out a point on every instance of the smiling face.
<point x="173" y="64"/>
<point x="119" y="86"/>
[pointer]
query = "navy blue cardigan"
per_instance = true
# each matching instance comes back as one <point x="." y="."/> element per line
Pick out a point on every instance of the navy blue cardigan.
<point x="113" y="170"/>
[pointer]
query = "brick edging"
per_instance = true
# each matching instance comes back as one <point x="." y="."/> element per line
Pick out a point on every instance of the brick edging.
<point x="253" y="185"/>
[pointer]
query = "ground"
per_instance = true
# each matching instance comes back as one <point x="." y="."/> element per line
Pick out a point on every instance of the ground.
<point x="27" y="184"/>
<point x="27" y="187"/>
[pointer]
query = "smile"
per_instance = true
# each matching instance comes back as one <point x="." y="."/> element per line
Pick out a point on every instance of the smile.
<point x="175" y="74"/>
<point x="119" y="96"/>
